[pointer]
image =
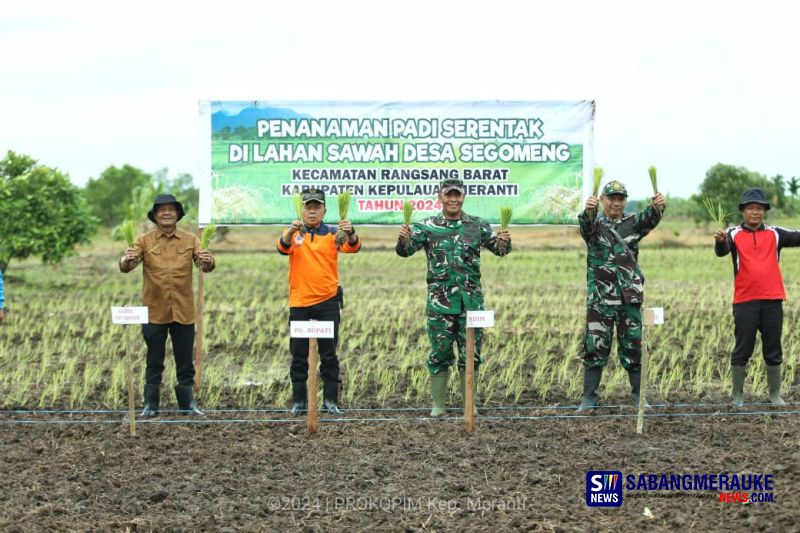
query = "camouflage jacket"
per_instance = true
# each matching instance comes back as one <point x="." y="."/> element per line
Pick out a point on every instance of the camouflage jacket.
<point x="613" y="276"/>
<point x="453" y="248"/>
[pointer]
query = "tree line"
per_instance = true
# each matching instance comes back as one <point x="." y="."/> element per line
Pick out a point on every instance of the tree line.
<point x="43" y="214"/>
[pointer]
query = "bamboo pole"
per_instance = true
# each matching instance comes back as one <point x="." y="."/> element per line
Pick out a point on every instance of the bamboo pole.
<point x="198" y="345"/>
<point x="469" y="382"/>
<point x="312" y="385"/>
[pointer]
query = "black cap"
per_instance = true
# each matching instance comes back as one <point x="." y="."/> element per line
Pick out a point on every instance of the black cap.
<point x="163" y="199"/>
<point x="313" y="195"/>
<point x="451" y="184"/>
<point x="754" y="195"/>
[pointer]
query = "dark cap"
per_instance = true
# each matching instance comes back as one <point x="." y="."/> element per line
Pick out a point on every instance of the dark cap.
<point x="313" y="195"/>
<point x="452" y="184"/>
<point x="164" y="199"/>
<point x="615" y="187"/>
<point x="754" y="195"/>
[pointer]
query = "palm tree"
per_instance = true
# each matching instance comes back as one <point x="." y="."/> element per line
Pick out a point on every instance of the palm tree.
<point x="780" y="187"/>
<point x="794" y="188"/>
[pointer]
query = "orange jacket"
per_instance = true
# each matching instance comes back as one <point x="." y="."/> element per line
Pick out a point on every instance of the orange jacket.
<point x="313" y="265"/>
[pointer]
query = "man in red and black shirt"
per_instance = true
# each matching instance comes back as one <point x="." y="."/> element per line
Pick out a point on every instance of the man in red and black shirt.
<point x="758" y="292"/>
<point x="313" y="293"/>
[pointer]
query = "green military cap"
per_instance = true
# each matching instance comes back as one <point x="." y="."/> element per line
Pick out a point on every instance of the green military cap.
<point x="615" y="187"/>
<point x="451" y="184"/>
<point x="313" y="195"/>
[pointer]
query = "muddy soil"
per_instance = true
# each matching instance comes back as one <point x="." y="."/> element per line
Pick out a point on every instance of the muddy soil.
<point x="406" y="473"/>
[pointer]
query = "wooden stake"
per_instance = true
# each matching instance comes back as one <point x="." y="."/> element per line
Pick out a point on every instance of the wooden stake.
<point x="312" y="385"/>
<point x="647" y="320"/>
<point x="131" y="396"/>
<point x="198" y="343"/>
<point x="469" y="382"/>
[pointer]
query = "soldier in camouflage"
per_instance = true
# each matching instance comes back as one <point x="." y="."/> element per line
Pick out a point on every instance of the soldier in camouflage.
<point x="615" y="285"/>
<point x="452" y="242"/>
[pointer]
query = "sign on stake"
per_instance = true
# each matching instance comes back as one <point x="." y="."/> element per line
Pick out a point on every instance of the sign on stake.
<point x="130" y="315"/>
<point x="651" y="316"/>
<point x="475" y="319"/>
<point x="311" y="330"/>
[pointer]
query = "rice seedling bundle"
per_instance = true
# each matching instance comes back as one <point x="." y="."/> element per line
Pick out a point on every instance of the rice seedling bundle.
<point x="598" y="176"/>
<point x="128" y="228"/>
<point x="207" y="235"/>
<point x="505" y="219"/>
<point x="653" y="179"/>
<point x="344" y="204"/>
<point x="408" y="209"/>
<point x="718" y="215"/>
<point x="297" y="202"/>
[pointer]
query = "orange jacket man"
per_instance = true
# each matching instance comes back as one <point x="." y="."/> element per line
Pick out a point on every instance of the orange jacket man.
<point x="314" y="293"/>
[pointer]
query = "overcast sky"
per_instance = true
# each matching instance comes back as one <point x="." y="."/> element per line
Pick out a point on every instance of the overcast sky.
<point x="680" y="85"/>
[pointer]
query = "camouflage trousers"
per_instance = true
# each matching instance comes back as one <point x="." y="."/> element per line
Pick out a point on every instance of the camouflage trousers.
<point x="600" y="322"/>
<point x="443" y="330"/>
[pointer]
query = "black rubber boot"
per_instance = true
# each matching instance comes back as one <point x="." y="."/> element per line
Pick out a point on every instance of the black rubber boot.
<point x="774" y="385"/>
<point x="738" y="375"/>
<point x="299" y="398"/>
<point x="186" y="402"/>
<point x="439" y="393"/>
<point x="152" y="396"/>
<point x="635" y="379"/>
<point x="330" y="398"/>
<point x="591" y="387"/>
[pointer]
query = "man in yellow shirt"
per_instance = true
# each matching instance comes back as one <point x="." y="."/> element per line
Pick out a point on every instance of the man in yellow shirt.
<point x="313" y="293"/>
<point x="167" y="254"/>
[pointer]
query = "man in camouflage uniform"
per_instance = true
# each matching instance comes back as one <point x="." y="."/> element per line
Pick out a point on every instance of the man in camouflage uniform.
<point x="452" y="242"/>
<point x="615" y="285"/>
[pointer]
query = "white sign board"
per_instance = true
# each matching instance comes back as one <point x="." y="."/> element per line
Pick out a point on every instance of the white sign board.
<point x="129" y="315"/>
<point x="480" y="319"/>
<point x="653" y="316"/>
<point x="310" y="329"/>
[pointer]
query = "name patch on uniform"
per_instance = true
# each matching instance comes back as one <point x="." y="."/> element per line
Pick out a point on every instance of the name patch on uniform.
<point x="480" y="319"/>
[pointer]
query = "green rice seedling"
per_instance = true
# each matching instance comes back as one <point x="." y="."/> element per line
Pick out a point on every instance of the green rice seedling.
<point x="408" y="209"/>
<point x="208" y="234"/>
<point x="598" y="177"/>
<point x="505" y="219"/>
<point x="344" y="205"/>
<point x="718" y="215"/>
<point x="128" y="228"/>
<point x="653" y="179"/>
<point x="297" y="202"/>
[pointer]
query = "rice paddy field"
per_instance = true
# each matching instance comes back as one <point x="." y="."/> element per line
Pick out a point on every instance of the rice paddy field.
<point x="78" y="468"/>
<point x="60" y="349"/>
